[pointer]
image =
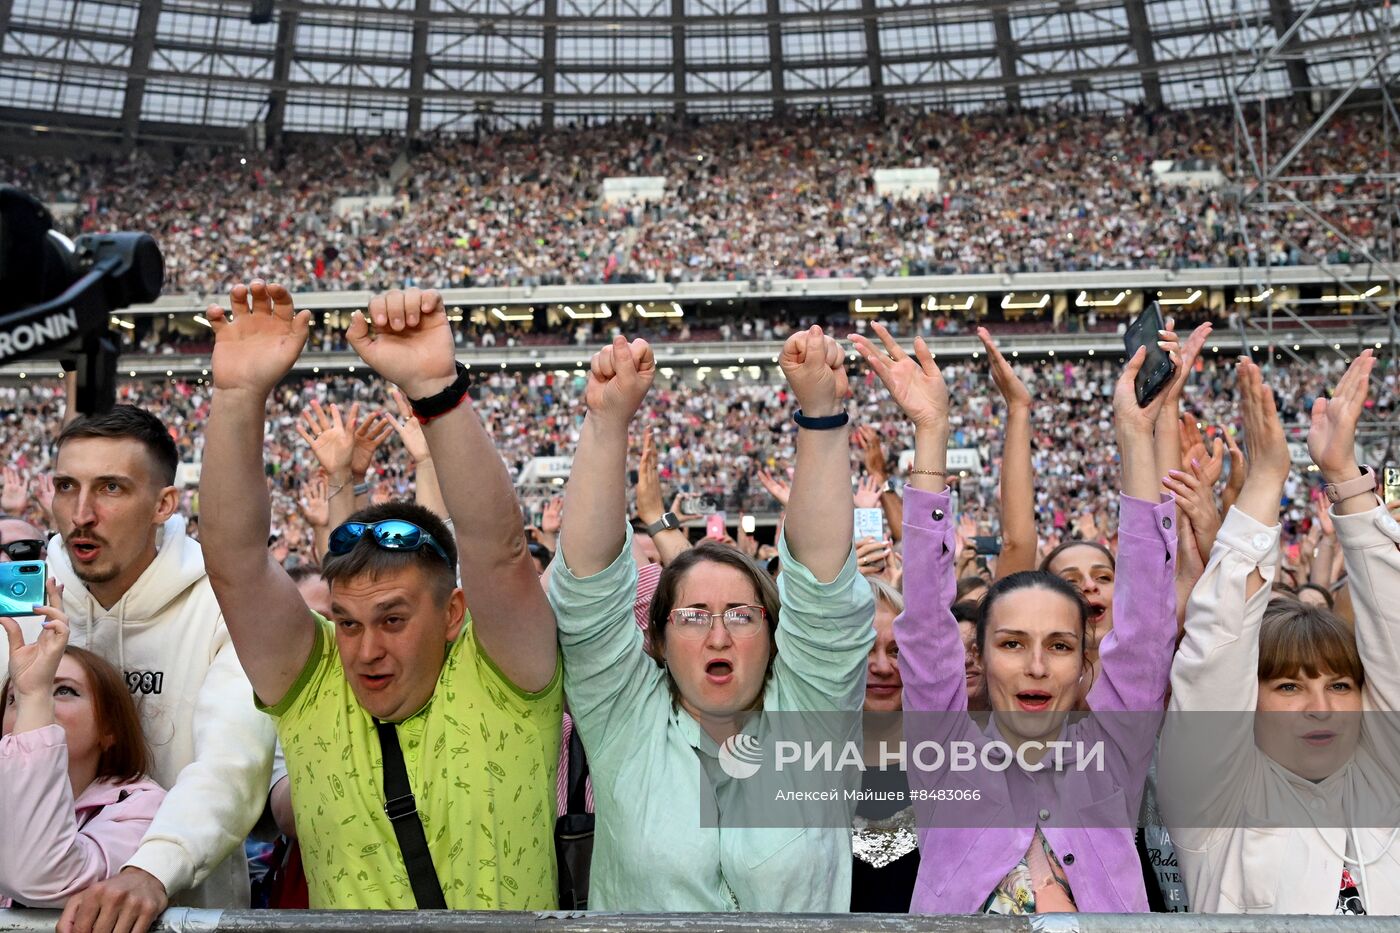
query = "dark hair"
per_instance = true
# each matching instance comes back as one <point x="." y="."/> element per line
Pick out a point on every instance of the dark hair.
<point x="304" y="572"/>
<point x="1049" y="558"/>
<point x="1296" y="638"/>
<point x="541" y="553"/>
<point x="1030" y="580"/>
<point x="127" y="758"/>
<point x="966" y="610"/>
<point x="659" y="613"/>
<point x="1316" y="587"/>
<point x="967" y="585"/>
<point x="367" y="557"/>
<point x="128" y="421"/>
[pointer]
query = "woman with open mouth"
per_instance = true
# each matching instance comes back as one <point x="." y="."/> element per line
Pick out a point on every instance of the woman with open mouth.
<point x="1046" y="832"/>
<point x="1280" y="796"/>
<point x="664" y="736"/>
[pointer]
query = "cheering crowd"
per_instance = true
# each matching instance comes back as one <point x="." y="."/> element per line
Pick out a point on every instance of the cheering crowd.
<point x="1039" y="190"/>
<point x="419" y="691"/>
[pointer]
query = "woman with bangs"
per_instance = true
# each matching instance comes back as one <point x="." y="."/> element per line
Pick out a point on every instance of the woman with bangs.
<point x="1289" y="804"/>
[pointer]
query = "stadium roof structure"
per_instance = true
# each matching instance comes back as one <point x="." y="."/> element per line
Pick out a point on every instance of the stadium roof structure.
<point x="138" y="68"/>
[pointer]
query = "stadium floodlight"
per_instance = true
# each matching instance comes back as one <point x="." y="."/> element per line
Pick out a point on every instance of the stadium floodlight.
<point x="1190" y="299"/>
<point x="1369" y="293"/>
<point x="1009" y="302"/>
<point x="1253" y="299"/>
<point x="1084" y="301"/>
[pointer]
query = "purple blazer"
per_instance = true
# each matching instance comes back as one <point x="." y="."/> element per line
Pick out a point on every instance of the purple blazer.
<point x="967" y="847"/>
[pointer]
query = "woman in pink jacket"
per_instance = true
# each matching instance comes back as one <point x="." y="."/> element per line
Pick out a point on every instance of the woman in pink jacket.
<point x="74" y="799"/>
<point x="1029" y="831"/>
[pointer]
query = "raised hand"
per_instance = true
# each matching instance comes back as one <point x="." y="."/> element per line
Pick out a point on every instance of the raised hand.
<point x="1194" y="493"/>
<point x="258" y="340"/>
<point x="552" y="516"/>
<point x="777" y="488"/>
<point x="1194" y="450"/>
<point x="1269" y="462"/>
<point x="649" y="504"/>
<point x="315" y="505"/>
<point x="914" y="382"/>
<point x="15" y="496"/>
<point x="815" y="369"/>
<point x="408" y="428"/>
<point x="329" y="436"/>
<point x="871" y="555"/>
<point x="33" y="666"/>
<point x="868" y="493"/>
<point x="681" y="514"/>
<point x="1189" y="351"/>
<point x="411" y="343"/>
<point x="1332" y="435"/>
<point x="872" y="452"/>
<point x="618" y="379"/>
<point x="368" y="435"/>
<point x="1012" y="389"/>
<point x="1126" y="412"/>
<point x="43" y="494"/>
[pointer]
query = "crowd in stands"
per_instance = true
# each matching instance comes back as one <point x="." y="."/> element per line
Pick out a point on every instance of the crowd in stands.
<point x="1039" y="190"/>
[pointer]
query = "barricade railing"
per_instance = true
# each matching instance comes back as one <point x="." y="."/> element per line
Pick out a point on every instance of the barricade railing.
<point x="182" y="920"/>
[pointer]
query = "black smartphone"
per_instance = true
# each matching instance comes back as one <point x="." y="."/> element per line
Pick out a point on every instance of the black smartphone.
<point x="1158" y="369"/>
<point x="989" y="545"/>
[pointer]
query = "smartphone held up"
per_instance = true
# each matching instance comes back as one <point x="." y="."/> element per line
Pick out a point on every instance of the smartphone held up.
<point x="1157" y="369"/>
<point x="21" y="587"/>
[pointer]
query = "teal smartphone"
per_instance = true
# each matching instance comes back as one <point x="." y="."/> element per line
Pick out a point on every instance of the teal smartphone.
<point x="21" y="587"/>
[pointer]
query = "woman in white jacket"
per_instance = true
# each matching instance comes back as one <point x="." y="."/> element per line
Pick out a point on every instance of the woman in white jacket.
<point x="1288" y="803"/>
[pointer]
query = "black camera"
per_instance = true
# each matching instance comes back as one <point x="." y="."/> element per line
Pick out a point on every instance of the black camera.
<point x="57" y="296"/>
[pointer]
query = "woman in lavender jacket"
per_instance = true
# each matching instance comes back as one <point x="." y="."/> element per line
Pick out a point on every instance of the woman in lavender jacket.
<point x="1010" y="838"/>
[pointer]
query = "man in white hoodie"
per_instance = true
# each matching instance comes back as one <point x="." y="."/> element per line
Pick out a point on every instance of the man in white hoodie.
<point x="136" y="593"/>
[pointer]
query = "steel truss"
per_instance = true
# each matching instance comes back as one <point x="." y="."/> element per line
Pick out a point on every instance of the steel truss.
<point x="1274" y="182"/>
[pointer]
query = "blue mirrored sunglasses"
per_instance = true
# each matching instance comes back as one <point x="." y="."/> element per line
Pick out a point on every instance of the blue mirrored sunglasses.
<point x="392" y="534"/>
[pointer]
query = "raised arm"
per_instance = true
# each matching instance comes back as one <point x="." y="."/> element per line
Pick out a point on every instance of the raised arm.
<point x="411" y="346"/>
<point x="256" y="344"/>
<point x="1018" y="540"/>
<point x="595" y="501"/>
<point x="820" y="512"/>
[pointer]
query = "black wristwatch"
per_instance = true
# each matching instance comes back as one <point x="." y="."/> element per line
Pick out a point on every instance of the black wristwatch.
<point x="667" y="521"/>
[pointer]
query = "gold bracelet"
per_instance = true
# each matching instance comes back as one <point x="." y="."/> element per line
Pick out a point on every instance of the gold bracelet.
<point x="928" y="473"/>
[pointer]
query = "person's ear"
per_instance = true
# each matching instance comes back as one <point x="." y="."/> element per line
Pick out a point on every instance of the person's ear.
<point x="167" y="504"/>
<point x="456" y="613"/>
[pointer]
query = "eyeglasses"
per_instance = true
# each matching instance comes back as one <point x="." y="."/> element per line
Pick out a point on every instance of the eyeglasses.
<point x="740" y="622"/>
<point x="392" y="534"/>
<point x="27" y="549"/>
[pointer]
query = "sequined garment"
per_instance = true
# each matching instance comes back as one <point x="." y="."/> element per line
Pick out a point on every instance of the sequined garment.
<point x="880" y="842"/>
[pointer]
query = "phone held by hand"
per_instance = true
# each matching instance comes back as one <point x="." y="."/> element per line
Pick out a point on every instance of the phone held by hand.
<point x="21" y="587"/>
<point x="714" y="527"/>
<point x="1391" y="485"/>
<point x="986" y="545"/>
<point x="748" y="524"/>
<point x="1157" y="369"/>
<point x="870" y="523"/>
<point x="696" y="504"/>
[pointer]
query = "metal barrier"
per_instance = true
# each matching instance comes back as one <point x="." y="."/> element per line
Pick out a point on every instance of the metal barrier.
<point x="181" y="920"/>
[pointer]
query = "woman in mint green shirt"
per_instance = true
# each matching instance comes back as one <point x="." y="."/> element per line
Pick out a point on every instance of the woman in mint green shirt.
<point x="726" y="643"/>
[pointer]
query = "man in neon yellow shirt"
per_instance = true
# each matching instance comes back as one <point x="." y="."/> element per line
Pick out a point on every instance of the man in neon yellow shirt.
<point x="475" y="701"/>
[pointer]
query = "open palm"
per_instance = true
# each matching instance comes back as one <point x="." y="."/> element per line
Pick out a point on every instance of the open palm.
<point x="1332" y="434"/>
<point x="914" y="382"/>
<point x="258" y="340"/>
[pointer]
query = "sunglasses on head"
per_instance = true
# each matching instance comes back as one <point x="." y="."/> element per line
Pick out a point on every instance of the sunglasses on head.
<point x="392" y="534"/>
<point x="27" y="549"/>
